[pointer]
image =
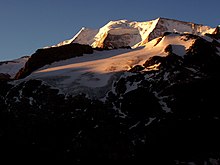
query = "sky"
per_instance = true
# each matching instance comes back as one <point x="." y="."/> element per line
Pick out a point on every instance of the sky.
<point x="27" y="25"/>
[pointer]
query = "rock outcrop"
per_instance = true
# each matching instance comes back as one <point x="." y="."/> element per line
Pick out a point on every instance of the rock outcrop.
<point x="47" y="56"/>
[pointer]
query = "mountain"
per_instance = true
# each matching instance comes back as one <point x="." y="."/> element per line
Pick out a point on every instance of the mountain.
<point x="130" y="92"/>
<point x="124" y="33"/>
<point x="94" y="74"/>
<point x="8" y="69"/>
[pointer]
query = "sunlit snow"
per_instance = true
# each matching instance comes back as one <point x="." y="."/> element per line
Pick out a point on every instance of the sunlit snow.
<point x="136" y="33"/>
<point x="94" y="73"/>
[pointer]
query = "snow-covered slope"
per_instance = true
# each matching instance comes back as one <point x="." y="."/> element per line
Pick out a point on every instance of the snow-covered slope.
<point x="134" y="34"/>
<point x="12" y="67"/>
<point x="94" y="74"/>
<point x="84" y="36"/>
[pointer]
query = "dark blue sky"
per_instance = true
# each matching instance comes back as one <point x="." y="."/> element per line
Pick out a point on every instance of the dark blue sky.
<point x="28" y="25"/>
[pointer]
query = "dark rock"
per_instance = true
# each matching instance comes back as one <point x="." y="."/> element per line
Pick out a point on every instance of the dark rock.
<point x="167" y="33"/>
<point x="121" y="86"/>
<point x="101" y="49"/>
<point x="152" y="61"/>
<point x="117" y="41"/>
<point x="47" y="56"/>
<point x="136" y="68"/>
<point x="203" y="55"/>
<point x="5" y="87"/>
<point x="217" y="30"/>
<point x="140" y="104"/>
<point x="168" y="49"/>
<point x="216" y="43"/>
<point x="215" y="34"/>
<point x="4" y="77"/>
<point x="125" y="47"/>
<point x="170" y="61"/>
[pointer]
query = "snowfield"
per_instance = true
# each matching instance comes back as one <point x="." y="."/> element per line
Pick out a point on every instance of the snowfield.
<point x="95" y="73"/>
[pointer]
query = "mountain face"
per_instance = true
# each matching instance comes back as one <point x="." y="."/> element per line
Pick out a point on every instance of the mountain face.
<point x="124" y="33"/>
<point x="130" y="92"/>
<point x="8" y="69"/>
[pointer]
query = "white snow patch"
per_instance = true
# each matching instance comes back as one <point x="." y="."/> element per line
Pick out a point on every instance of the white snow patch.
<point x="20" y="93"/>
<point x="131" y="87"/>
<point x="122" y="115"/>
<point x="183" y="27"/>
<point x="151" y="119"/>
<point x="135" y="125"/>
<point x="164" y="106"/>
<point x="96" y="126"/>
<point x="165" y="76"/>
<point x="31" y="99"/>
<point x="191" y="69"/>
<point x="16" y="99"/>
<point x="162" y="103"/>
<point x="154" y="67"/>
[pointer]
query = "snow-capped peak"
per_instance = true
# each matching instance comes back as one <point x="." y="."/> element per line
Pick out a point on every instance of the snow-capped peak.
<point x="123" y="33"/>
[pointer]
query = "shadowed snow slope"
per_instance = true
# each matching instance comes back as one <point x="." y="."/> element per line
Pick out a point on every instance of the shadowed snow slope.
<point x="12" y="67"/>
